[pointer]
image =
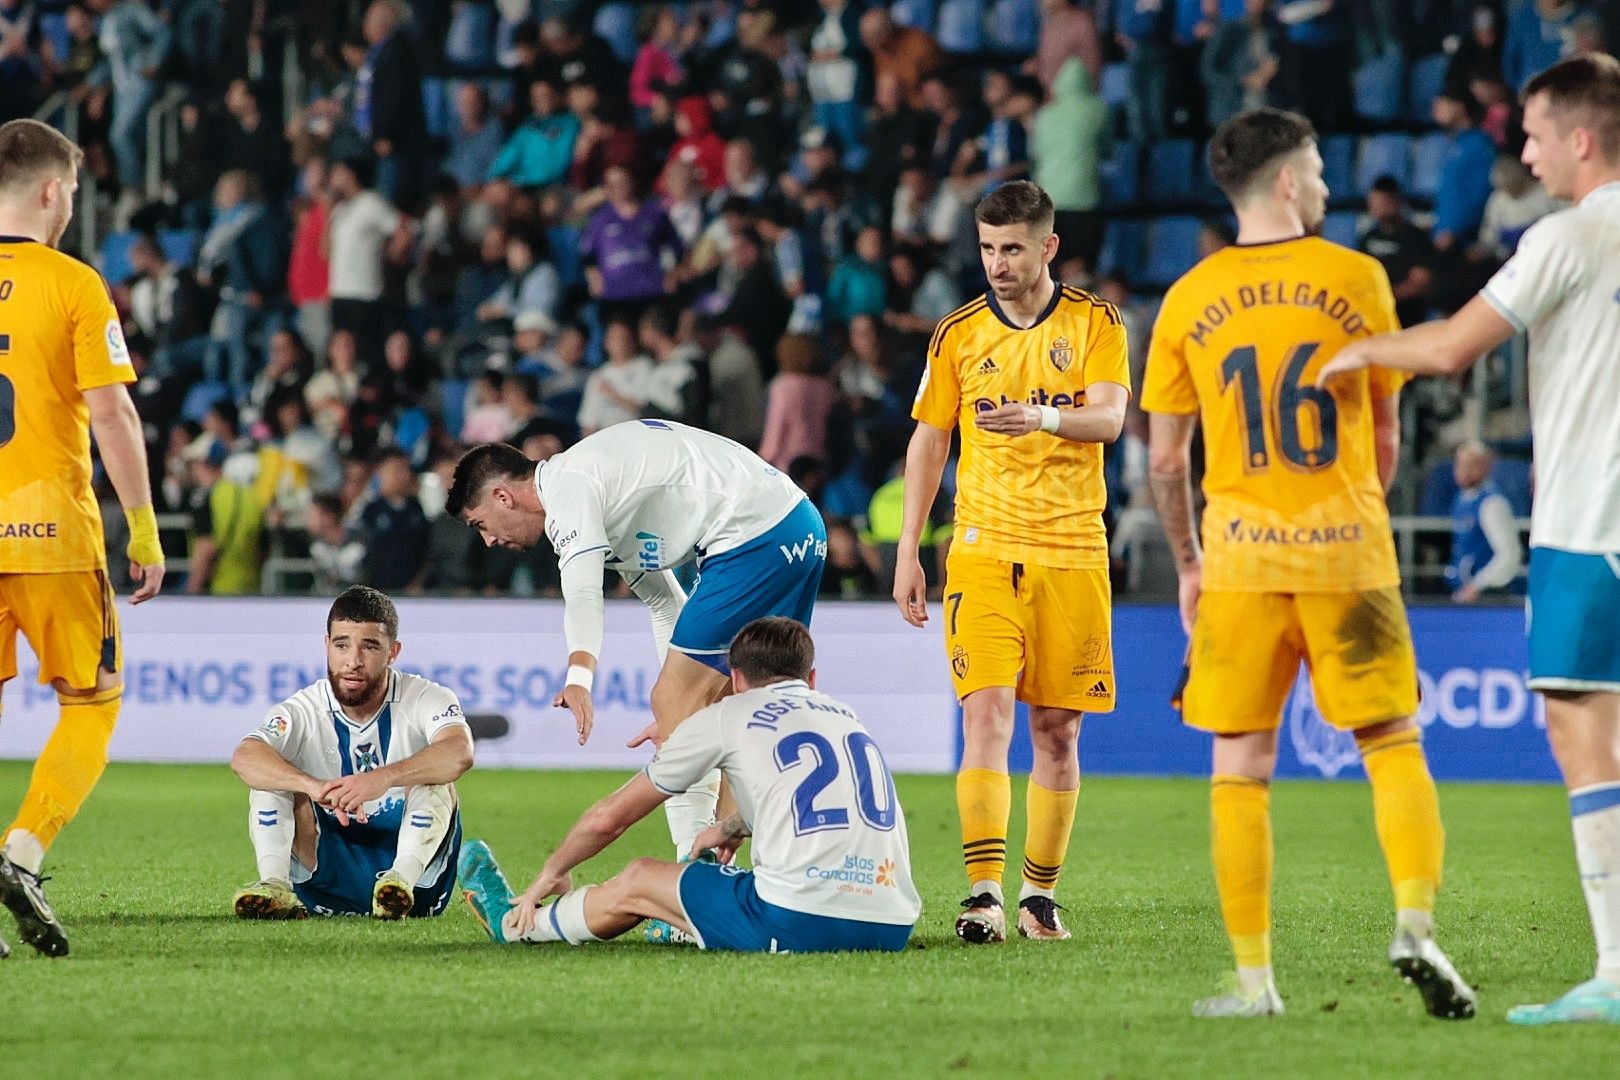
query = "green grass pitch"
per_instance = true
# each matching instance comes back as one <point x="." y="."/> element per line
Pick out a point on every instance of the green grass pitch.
<point x="164" y="983"/>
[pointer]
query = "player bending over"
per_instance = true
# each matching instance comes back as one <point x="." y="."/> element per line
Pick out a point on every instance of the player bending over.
<point x="1297" y="561"/>
<point x="353" y="805"/>
<point x="1563" y="286"/>
<point x="832" y="868"/>
<point x="642" y="498"/>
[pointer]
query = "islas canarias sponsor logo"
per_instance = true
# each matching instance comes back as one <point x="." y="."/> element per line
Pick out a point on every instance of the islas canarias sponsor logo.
<point x="856" y="870"/>
<point x="1238" y="531"/>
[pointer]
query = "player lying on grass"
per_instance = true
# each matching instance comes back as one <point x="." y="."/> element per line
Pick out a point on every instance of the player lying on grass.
<point x="832" y="866"/>
<point x="353" y="805"/>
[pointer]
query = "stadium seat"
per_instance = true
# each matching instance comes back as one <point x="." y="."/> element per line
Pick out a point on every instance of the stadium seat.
<point x="1339" y="166"/>
<point x="1429" y="163"/>
<point x="1512" y="477"/>
<point x="1116" y="85"/>
<point x="201" y="397"/>
<point x="961" y="26"/>
<point x="1382" y="155"/>
<point x="1378" y="89"/>
<point x="115" y="249"/>
<point x="411" y="435"/>
<point x="1171" y="171"/>
<point x="615" y="23"/>
<point x="1340" y="227"/>
<point x="1014" y="26"/>
<point x="1439" y="490"/>
<point x="179" y="246"/>
<point x="1424" y="81"/>
<point x="453" y="405"/>
<point x="437" y="109"/>
<point x="1121" y="249"/>
<point x="918" y="14"/>
<point x="1120" y="174"/>
<point x="1171" y="250"/>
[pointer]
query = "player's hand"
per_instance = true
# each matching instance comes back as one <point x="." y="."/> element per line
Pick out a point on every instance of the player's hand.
<point x="911" y="590"/>
<point x="716" y="839"/>
<point x="347" y="796"/>
<point x="1014" y="418"/>
<point x="149" y="578"/>
<point x="648" y="734"/>
<point x="520" y="920"/>
<point x="1189" y="586"/>
<point x="1351" y="358"/>
<point x="1466" y="595"/>
<point x="577" y="699"/>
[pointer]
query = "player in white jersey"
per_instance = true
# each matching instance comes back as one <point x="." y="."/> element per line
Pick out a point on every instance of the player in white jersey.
<point x="642" y="498"/>
<point x="1562" y="286"/>
<point x="353" y="803"/>
<point x="832" y="866"/>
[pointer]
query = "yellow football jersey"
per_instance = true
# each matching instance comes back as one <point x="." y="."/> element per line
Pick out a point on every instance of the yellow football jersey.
<point x="59" y="336"/>
<point x="1034" y="498"/>
<point x="1294" y="501"/>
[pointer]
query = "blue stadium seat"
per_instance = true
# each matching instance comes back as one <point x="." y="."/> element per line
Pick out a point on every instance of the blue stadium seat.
<point x="453" y="405"/>
<point x="1512" y="476"/>
<point x="1171" y="171"/>
<point x="115" y="251"/>
<point x="1116" y="85"/>
<point x="1380" y="155"/>
<point x="1439" y="489"/>
<point x="914" y="13"/>
<point x="1340" y="227"/>
<point x="1429" y="163"/>
<point x="961" y="26"/>
<point x="1339" y="165"/>
<point x="179" y="246"/>
<point x="1122" y="249"/>
<point x="1172" y="248"/>
<point x="1014" y="26"/>
<point x="1379" y="89"/>
<point x="437" y="108"/>
<point x="1423" y="82"/>
<point x="200" y="398"/>
<point x="1121" y="174"/>
<point x="615" y="24"/>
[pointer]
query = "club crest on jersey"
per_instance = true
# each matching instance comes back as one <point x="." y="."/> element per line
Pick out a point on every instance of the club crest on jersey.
<point x="366" y="758"/>
<point x="1091" y="651"/>
<point x="1062" y="354"/>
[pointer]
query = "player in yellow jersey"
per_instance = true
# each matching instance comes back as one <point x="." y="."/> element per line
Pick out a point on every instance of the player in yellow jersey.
<point x="1297" y="561"/>
<point x="1035" y="374"/>
<point x="63" y="366"/>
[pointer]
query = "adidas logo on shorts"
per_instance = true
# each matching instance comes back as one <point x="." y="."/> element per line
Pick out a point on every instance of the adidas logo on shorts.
<point x="1098" y="689"/>
<point x="988" y="367"/>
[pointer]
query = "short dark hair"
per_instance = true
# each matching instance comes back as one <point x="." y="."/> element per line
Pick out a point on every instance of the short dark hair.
<point x="1589" y="85"/>
<point x="772" y="649"/>
<point x="478" y="469"/>
<point x="362" y="603"/>
<point x="30" y="150"/>
<point x="1247" y="149"/>
<point x="1019" y="202"/>
<point x="662" y="319"/>
<point x="1387" y="185"/>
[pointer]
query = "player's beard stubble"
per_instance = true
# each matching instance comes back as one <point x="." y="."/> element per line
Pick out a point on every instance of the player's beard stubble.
<point x="369" y="691"/>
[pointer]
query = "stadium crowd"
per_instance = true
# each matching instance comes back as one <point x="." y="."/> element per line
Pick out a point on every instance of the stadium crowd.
<point x="526" y="221"/>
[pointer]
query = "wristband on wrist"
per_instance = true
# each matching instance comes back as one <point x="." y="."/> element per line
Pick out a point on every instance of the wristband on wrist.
<point x="1049" y="418"/>
<point x="143" y="546"/>
<point x="581" y="676"/>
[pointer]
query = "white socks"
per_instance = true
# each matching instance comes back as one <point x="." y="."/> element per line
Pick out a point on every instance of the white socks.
<point x="24" y="849"/>
<point x="561" y="920"/>
<point x="429" y="810"/>
<point x="986" y="886"/>
<point x="271" y="826"/>
<point x="1595" y="815"/>
<point x="1026" y="890"/>
<point x="692" y="811"/>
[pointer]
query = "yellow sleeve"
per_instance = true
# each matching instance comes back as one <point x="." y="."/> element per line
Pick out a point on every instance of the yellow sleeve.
<point x="1108" y="357"/>
<point x="1167" y="385"/>
<point x="939" y="397"/>
<point x="100" y="357"/>
<point x="1381" y="319"/>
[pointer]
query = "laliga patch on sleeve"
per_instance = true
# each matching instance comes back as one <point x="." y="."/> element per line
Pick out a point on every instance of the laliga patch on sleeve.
<point x="275" y="727"/>
<point x="117" y="351"/>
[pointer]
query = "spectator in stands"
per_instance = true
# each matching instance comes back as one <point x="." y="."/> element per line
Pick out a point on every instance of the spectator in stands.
<point x="169" y="307"/>
<point x="1496" y="108"/>
<point x="1142" y="28"/>
<point x="607" y="139"/>
<point x="799" y="270"/>
<point x="629" y="248"/>
<point x="1485" y="552"/>
<point x="571" y="54"/>
<point x="1517" y="202"/>
<point x="253" y="142"/>
<point x="697" y="146"/>
<point x="857" y="286"/>
<point x="394" y="529"/>
<point x="559" y="371"/>
<point x="850" y="574"/>
<point x="755" y="301"/>
<point x="616" y="391"/>
<point x="333" y="389"/>
<point x="797" y="405"/>
<point x="1539" y="34"/>
<point x="1404" y="250"/>
<point x="1068" y="142"/>
<point x="1479" y="52"/>
<point x="744" y="178"/>
<point x="1587" y="32"/>
<point x="530" y="283"/>
<point x="917" y="297"/>
<point x="926" y="214"/>
<point x="1317" y="57"/>
<point x="835" y="73"/>
<point x="950" y="124"/>
<point x="678" y="387"/>
<point x="338" y="554"/>
<point x="308" y="268"/>
<point x="487" y="417"/>
<point x="134" y="39"/>
<point x="907" y="53"/>
<point x="475" y="137"/>
<point x="20" y="67"/>
<point x="1465" y="180"/>
<point x="243" y="257"/>
<point x="682" y="202"/>
<point x="657" y="61"/>
<point x="388" y="107"/>
<point x="1002" y="153"/>
<point x="897" y="139"/>
<point x="1067" y="33"/>
<point x="362" y="223"/>
<point x="737" y="388"/>
<point x="745" y="89"/>
<point x="287" y="368"/>
<point x="541" y="150"/>
<point x="1239" y="62"/>
<point x="227" y="525"/>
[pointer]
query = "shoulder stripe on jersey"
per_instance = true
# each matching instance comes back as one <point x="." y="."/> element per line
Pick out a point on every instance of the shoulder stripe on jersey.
<point x="966" y="311"/>
<point x="1071" y="292"/>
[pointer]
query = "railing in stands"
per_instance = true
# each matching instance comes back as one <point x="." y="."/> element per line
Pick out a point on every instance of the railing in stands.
<point x="62" y="112"/>
<point x="162" y="139"/>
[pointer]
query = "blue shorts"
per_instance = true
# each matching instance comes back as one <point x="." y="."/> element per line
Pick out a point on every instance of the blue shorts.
<point x="1573" y="613"/>
<point x="348" y="859"/>
<point x="725" y="910"/>
<point x="778" y="573"/>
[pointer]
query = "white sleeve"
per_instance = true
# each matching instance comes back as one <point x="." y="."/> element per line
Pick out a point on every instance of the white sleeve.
<point x="664" y="598"/>
<point x="691" y="753"/>
<point x="439" y="708"/>
<point x="283" y="729"/>
<point x="1496" y="519"/>
<point x="1546" y="268"/>
<point x="582" y="601"/>
<point x="575" y="515"/>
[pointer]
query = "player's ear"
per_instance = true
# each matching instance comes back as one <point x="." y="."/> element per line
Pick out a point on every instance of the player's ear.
<point x="810" y="679"/>
<point x="393" y="652"/>
<point x="1049" y="247"/>
<point x="738" y="683"/>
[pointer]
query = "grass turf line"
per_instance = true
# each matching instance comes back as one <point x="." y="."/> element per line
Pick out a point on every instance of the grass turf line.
<point x="164" y="983"/>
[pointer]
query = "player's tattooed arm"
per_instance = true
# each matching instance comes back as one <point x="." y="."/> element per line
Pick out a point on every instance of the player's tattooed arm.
<point x="1169" y="469"/>
<point x="723" y="839"/>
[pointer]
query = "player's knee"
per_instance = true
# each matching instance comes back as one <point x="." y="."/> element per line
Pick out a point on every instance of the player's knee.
<point x="1054" y="732"/>
<point x="986" y="721"/>
<point x="633" y="881"/>
<point x="1367" y="735"/>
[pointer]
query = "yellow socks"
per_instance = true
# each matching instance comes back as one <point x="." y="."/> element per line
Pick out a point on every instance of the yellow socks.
<point x="984" y="801"/>
<point x="1051" y="817"/>
<point x="69" y="766"/>
<point x="1240" y="840"/>
<point x="1406" y="811"/>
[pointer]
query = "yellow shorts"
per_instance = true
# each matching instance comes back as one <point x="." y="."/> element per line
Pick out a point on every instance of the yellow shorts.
<point x="1044" y="631"/>
<point x="70" y="622"/>
<point x="1246" y="650"/>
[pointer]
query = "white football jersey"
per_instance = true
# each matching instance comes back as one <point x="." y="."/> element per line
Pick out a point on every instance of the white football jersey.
<point x="829" y="837"/>
<point x="312" y="732"/>
<point x="655" y="494"/>
<point x="1563" y="287"/>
